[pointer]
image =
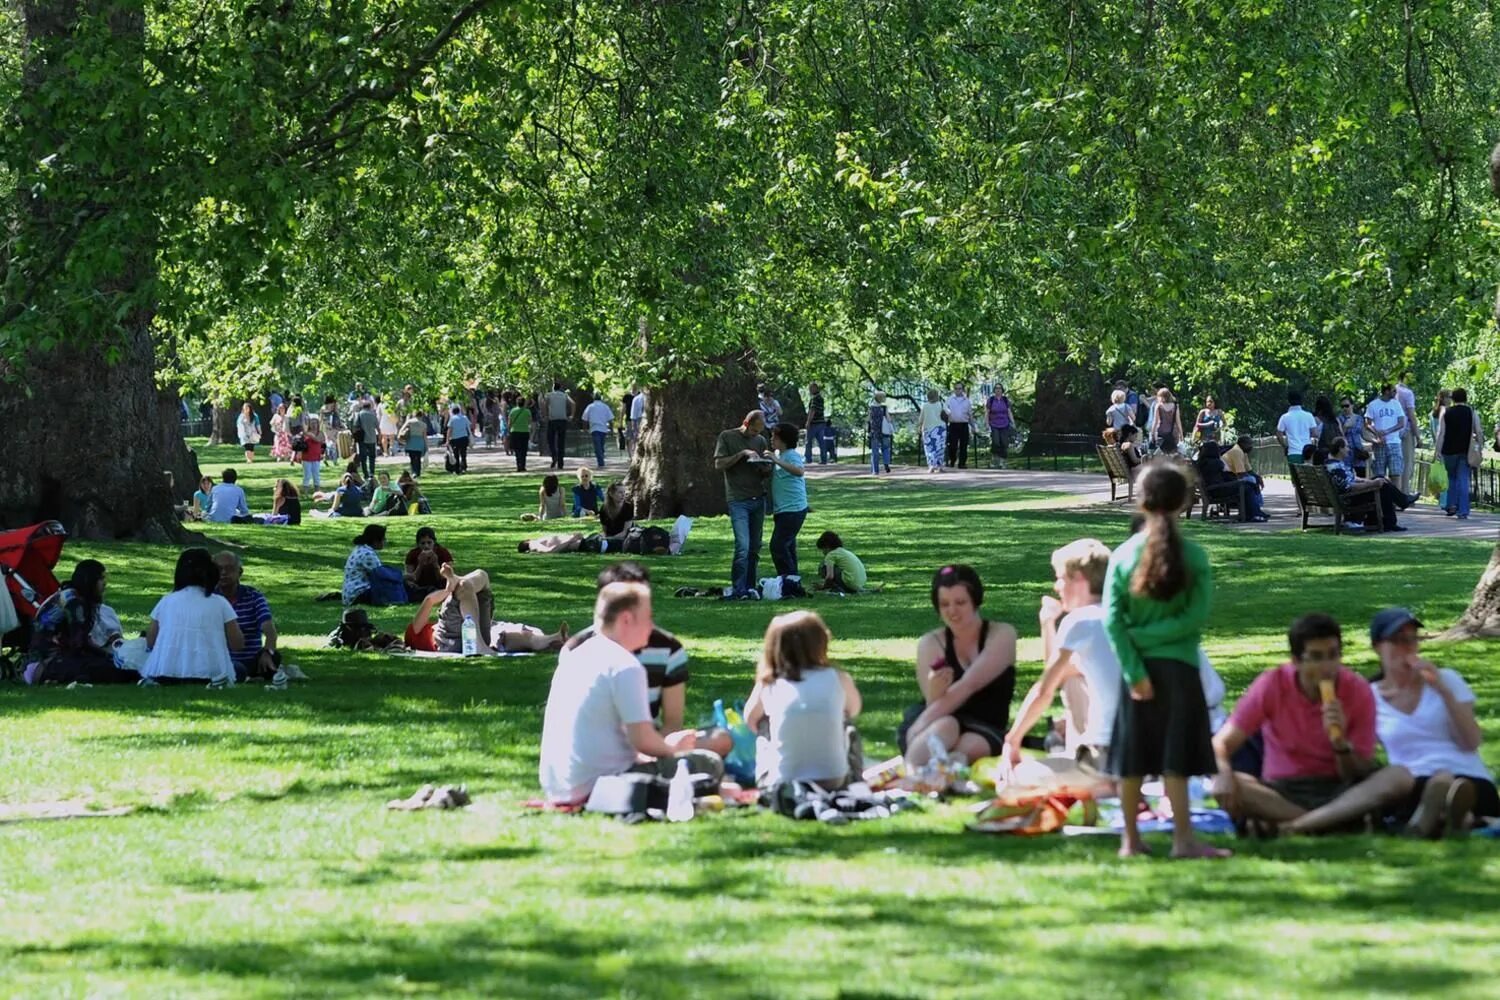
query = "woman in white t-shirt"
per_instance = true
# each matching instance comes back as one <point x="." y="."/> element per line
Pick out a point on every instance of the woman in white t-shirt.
<point x="192" y="628"/>
<point x="807" y="705"/>
<point x="1425" y="720"/>
<point x="1080" y="662"/>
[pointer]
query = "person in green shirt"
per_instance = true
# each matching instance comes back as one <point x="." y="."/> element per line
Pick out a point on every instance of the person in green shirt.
<point x="740" y="453"/>
<point x="519" y="417"/>
<point x="842" y="570"/>
<point x="1157" y="592"/>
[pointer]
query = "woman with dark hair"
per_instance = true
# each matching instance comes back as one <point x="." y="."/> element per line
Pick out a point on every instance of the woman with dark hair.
<point x="74" y="632"/>
<point x="1329" y="427"/>
<point x="1157" y="592"/>
<point x="966" y="671"/>
<point x="286" y="500"/>
<point x="1217" y="481"/>
<point x="1130" y="451"/>
<point x="192" y="628"/>
<point x="1456" y="431"/>
<point x="363" y="565"/>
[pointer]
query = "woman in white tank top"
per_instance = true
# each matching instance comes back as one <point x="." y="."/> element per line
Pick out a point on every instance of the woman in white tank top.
<point x="806" y="704"/>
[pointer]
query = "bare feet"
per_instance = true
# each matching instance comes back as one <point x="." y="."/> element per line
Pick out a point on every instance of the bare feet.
<point x="1198" y="850"/>
<point x="1134" y="849"/>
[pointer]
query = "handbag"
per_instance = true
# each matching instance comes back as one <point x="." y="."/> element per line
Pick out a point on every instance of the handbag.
<point x="1476" y="444"/>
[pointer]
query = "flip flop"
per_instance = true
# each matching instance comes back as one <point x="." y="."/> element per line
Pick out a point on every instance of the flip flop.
<point x="1458" y="807"/>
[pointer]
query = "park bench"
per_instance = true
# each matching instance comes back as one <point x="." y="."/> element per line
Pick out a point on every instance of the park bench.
<point x="1317" y="494"/>
<point x="1118" y="472"/>
<point x="1229" y="498"/>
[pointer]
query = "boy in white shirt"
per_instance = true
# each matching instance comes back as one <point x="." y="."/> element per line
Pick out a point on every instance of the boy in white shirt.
<point x="598" y="720"/>
<point x="1296" y="429"/>
<point x="1080" y="662"/>
<point x="1386" y="419"/>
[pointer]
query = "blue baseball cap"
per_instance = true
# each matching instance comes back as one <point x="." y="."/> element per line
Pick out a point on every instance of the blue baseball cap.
<point x="1390" y="621"/>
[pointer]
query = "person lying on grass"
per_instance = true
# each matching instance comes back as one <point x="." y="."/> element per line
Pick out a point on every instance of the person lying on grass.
<point x="1424" y="716"/>
<point x="469" y="596"/>
<point x="966" y="672"/>
<point x="666" y="664"/>
<point x="598" y="717"/>
<point x="842" y="571"/>
<point x="809" y="706"/>
<point x="1317" y="719"/>
<point x="1079" y="661"/>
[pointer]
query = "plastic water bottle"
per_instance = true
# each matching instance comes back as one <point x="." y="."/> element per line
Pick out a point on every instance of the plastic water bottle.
<point x="470" y="636"/>
<point x="680" y="795"/>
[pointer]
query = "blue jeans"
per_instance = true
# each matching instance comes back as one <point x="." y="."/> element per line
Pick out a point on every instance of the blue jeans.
<point x="599" y="438"/>
<point x="1458" y="483"/>
<point x="784" y="541"/>
<point x="747" y="518"/>
<point x="880" y="445"/>
<point x="817" y="433"/>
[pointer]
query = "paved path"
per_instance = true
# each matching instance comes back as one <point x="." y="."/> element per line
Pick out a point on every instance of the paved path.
<point x="1073" y="490"/>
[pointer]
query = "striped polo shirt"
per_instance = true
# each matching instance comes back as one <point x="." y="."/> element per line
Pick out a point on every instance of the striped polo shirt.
<point x="252" y="611"/>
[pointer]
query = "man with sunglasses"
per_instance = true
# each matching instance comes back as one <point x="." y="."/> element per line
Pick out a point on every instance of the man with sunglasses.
<point x="1352" y="425"/>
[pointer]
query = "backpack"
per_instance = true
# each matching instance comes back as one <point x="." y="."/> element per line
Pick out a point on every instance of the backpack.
<point x="357" y="430"/>
<point x="646" y="541"/>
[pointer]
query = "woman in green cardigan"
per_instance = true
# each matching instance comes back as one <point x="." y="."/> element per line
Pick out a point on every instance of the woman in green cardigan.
<point x="1156" y="599"/>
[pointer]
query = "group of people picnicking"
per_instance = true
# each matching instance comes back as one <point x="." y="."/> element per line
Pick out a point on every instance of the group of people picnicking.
<point x="1122" y="643"/>
<point x="226" y="501"/>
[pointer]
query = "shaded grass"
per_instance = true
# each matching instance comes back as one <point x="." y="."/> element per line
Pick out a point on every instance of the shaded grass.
<point x="266" y="867"/>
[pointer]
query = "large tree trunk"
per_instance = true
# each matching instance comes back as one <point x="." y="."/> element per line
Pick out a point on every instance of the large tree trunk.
<point x="89" y="436"/>
<point x="1482" y="619"/>
<point x="1070" y="399"/>
<point x="673" y="470"/>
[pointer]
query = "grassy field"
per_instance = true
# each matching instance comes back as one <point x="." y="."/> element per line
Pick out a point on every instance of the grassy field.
<point x="263" y="863"/>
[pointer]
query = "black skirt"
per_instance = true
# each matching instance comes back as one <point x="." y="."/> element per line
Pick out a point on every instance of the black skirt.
<point x="1167" y="735"/>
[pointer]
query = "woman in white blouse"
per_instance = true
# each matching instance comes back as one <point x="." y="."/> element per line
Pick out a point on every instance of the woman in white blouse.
<point x="1425" y="719"/>
<point x="192" y="628"/>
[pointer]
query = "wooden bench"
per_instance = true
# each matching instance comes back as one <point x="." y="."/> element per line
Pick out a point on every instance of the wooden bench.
<point x="1316" y="492"/>
<point x="1116" y="469"/>
<point x="1230" y="497"/>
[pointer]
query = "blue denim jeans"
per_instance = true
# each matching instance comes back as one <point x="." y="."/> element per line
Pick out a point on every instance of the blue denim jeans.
<point x="599" y="438"/>
<point x="747" y="518"/>
<point x="1458" y="483"/>
<point x="880" y="451"/>
<point x="784" y="541"/>
<point x="817" y="434"/>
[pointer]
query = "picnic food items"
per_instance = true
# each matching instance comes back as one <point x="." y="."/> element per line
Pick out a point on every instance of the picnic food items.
<point x="1326" y="689"/>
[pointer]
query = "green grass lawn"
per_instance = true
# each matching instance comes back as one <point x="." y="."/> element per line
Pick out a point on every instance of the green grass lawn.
<point x="264" y="863"/>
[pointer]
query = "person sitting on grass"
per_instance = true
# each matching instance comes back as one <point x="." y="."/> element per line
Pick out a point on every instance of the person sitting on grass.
<point x="470" y="596"/>
<point x="286" y="502"/>
<point x="1317" y="720"/>
<point x="363" y="567"/>
<point x="421" y="569"/>
<point x="193" y="630"/>
<point x="808" y="704"/>
<point x="1077" y="656"/>
<point x="257" y="655"/>
<point x="385" y="499"/>
<point x="227" y="503"/>
<point x="67" y="643"/>
<point x="587" y="496"/>
<point x="1424" y="716"/>
<point x="617" y="514"/>
<point x="598" y="718"/>
<point x="345" y="501"/>
<point x="202" y="499"/>
<point x="966" y="672"/>
<point x="666" y="665"/>
<point x="842" y="571"/>
<point x="549" y="501"/>
<point x="1347" y="483"/>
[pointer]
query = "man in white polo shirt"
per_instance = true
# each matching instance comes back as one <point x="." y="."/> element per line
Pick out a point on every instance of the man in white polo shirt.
<point x="598" y="719"/>
<point x="1296" y="428"/>
<point x="1386" y="419"/>
<point x="960" y="413"/>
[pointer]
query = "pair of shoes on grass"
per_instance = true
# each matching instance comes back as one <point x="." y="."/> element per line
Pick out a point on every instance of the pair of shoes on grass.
<point x="433" y="797"/>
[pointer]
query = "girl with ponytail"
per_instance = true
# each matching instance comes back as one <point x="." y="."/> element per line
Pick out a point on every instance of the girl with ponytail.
<point x="1156" y="598"/>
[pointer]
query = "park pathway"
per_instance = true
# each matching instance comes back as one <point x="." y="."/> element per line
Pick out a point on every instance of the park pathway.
<point x="1073" y="490"/>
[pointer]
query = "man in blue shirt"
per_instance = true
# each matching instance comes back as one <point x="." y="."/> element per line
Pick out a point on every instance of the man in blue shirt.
<point x="227" y="503"/>
<point x="258" y="657"/>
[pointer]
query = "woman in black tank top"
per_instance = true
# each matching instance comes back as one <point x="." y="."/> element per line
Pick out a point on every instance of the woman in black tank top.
<point x="966" y="671"/>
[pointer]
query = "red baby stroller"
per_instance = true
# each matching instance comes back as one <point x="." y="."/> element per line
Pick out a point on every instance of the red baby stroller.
<point x="27" y="556"/>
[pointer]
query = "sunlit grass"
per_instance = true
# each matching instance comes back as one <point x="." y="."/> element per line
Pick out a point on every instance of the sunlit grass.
<point x="263" y="863"/>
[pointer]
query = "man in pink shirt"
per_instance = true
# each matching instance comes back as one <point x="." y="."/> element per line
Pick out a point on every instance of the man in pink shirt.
<point x="1319" y="772"/>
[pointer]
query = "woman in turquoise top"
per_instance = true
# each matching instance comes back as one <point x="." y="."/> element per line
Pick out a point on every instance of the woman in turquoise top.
<point x="1156" y="599"/>
<point x="788" y="498"/>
